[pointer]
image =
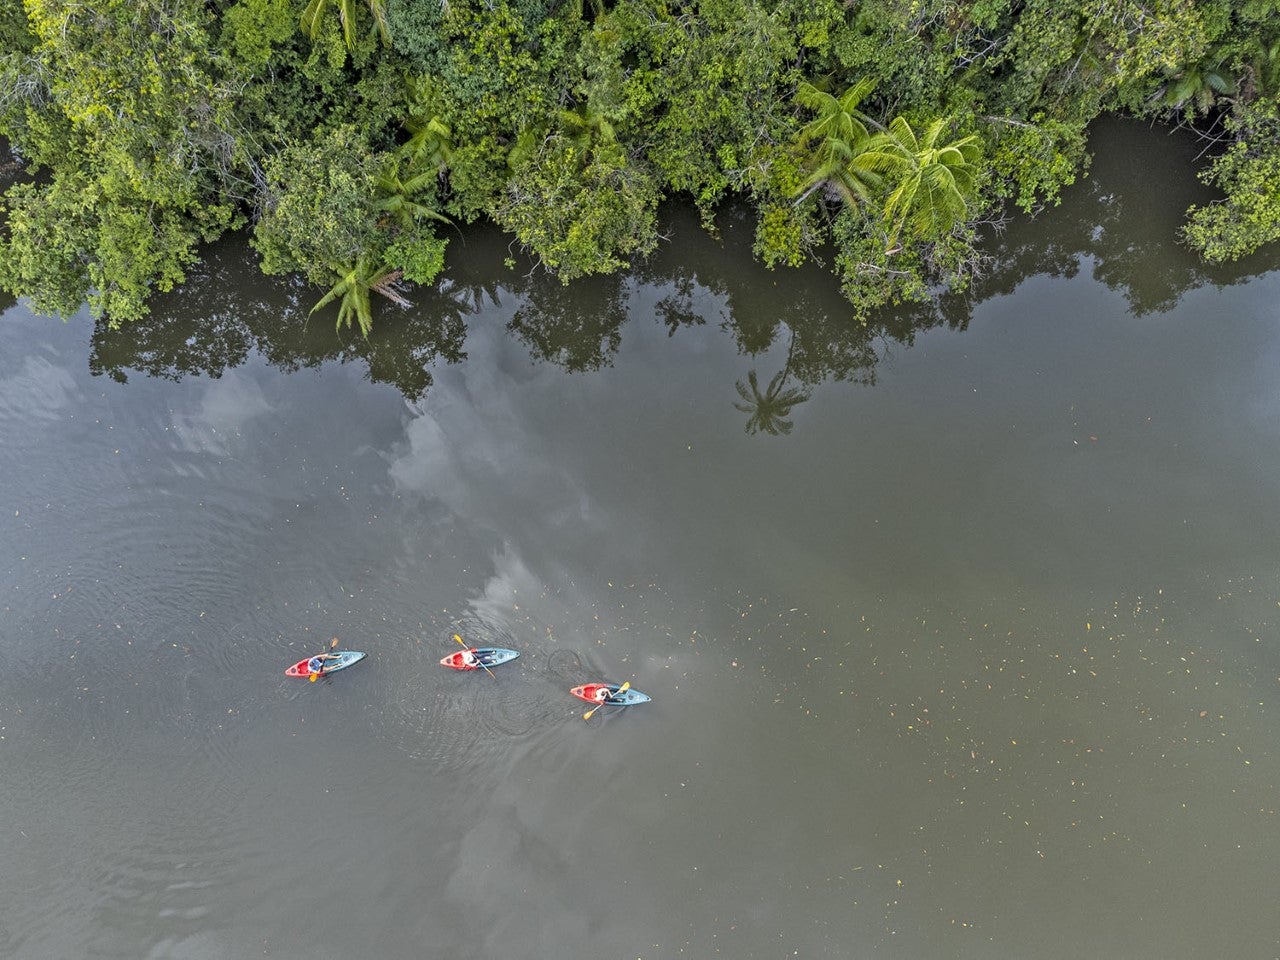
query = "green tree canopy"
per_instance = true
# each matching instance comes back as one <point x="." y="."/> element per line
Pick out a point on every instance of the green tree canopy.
<point x="346" y="132"/>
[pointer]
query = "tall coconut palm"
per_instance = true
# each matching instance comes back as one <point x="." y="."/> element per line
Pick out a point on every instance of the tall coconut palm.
<point x="933" y="182"/>
<point x="837" y="117"/>
<point x="840" y="131"/>
<point x="313" y="18"/>
<point x="845" y="171"/>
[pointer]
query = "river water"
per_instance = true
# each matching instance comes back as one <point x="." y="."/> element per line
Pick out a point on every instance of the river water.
<point x="965" y="646"/>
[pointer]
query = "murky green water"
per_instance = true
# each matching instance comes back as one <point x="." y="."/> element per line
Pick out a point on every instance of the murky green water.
<point x="970" y="649"/>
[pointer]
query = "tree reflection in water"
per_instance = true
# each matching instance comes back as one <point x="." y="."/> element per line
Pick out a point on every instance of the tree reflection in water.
<point x="1121" y="223"/>
<point x="214" y="321"/>
<point x="577" y="327"/>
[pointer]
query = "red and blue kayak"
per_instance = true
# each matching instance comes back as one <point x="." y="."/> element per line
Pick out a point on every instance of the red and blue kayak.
<point x="486" y="656"/>
<point x="338" y="660"/>
<point x="610" y="693"/>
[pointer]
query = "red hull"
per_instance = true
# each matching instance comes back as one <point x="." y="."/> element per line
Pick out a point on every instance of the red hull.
<point x="299" y="669"/>
<point x="591" y="692"/>
<point x="454" y="661"/>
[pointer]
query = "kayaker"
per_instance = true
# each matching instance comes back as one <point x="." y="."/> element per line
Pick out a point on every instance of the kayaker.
<point x="472" y="658"/>
<point x="604" y="694"/>
<point x="316" y="664"/>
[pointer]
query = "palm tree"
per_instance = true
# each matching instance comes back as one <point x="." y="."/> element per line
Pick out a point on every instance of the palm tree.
<point x="1262" y="71"/>
<point x="1195" y="88"/>
<point x="770" y="409"/>
<point x="431" y="138"/>
<point x="398" y="195"/>
<point x="430" y="145"/>
<point x="587" y="9"/>
<point x="524" y="147"/>
<point x="354" y="282"/>
<point x="837" y="116"/>
<point x="842" y="131"/>
<point x="844" y="169"/>
<point x="585" y="127"/>
<point x="934" y="182"/>
<point x="313" y="17"/>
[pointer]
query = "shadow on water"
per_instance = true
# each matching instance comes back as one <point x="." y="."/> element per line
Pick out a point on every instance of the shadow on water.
<point x="1122" y="222"/>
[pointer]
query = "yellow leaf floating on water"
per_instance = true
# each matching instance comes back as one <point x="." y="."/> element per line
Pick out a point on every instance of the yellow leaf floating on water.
<point x="1088" y="626"/>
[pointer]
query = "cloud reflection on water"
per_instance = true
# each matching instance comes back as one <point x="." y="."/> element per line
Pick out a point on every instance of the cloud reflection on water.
<point x="214" y="423"/>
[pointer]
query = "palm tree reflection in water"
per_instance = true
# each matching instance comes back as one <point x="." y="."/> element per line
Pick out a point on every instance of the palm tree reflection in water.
<point x="769" y="410"/>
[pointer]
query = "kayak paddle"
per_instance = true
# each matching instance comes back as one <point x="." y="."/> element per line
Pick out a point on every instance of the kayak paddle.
<point x="486" y="669"/>
<point x="587" y="715"/>
<point x="314" y="674"/>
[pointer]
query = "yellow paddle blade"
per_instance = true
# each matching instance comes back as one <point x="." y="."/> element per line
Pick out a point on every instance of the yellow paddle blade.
<point x="313" y="676"/>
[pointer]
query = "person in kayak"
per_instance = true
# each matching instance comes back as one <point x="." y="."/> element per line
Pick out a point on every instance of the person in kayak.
<point x="473" y="658"/>
<point x="604" y="695"/>
<point x="316" y="664"/>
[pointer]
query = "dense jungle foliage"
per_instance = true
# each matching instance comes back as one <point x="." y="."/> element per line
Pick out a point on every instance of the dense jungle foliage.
<point x="352" y="136"/>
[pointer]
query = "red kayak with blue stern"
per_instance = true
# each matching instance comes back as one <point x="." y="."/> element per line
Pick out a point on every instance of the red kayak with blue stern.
<point x="609" y="693"/>
<point x="480" y="657"/>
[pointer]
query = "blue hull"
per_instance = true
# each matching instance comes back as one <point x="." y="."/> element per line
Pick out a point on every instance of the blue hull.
<point x="496" y="655"/>
<point x="347" y="658"/>
<point x="628" y="698"/>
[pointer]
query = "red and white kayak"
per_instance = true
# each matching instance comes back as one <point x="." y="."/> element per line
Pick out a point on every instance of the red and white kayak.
<point x="485" y="656"/>
<point x="610" y="693"/>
